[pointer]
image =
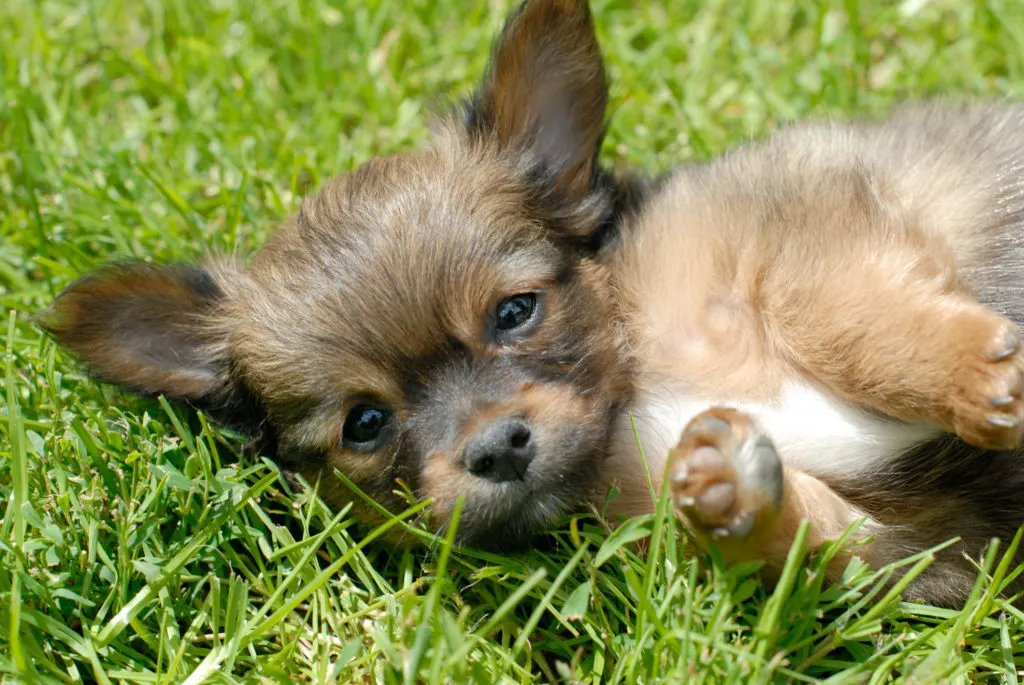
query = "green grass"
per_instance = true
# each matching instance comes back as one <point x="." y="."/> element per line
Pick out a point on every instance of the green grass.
<point x="138" y="547"/>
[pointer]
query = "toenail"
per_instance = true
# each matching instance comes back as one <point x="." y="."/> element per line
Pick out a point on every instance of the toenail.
<point x="742" y="525"/>
<point x="1011" y="343"/>
<point x="1003" y="421"/>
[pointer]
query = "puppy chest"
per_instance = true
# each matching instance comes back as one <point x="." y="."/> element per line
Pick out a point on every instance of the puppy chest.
<point x="812" y="430"/>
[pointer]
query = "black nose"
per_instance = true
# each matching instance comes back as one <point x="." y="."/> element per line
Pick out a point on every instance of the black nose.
<point x="500" y="452"/>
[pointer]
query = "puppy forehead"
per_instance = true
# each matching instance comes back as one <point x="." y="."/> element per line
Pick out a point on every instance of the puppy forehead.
<point x="422" y="216"/>
<point x="388" y="266"/>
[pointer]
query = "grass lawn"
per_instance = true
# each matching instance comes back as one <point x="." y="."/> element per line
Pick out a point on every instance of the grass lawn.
<point x="137" y="545"/>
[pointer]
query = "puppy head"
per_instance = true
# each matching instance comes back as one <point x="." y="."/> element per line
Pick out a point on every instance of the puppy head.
<point x="438" y="318"/>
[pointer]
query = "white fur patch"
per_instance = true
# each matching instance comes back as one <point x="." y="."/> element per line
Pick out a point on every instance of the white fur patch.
<point x="812" y="431"/>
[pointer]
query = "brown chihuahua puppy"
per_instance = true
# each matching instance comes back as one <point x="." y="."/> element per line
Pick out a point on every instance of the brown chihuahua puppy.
<point x="817" y="327"/>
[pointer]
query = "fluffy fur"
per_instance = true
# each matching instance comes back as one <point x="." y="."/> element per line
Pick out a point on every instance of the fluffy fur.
<point x="816" y="326"/>
<point x="848" y="285"/>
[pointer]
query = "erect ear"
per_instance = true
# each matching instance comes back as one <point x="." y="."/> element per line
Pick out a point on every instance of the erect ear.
<point x="145" y="327"/>
<point x="546" y="92"/>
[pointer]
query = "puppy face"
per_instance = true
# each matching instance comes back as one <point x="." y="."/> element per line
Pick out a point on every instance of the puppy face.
<point x="439" y="320"/>
<point x="428" y="319"/>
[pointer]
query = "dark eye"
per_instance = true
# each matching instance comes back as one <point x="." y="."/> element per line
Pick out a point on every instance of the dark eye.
<point x="364" y="425"/>
<point x="514" y="311"/>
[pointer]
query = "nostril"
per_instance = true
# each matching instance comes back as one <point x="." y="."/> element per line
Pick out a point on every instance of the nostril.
<point x="520" y="437"/>
<point x="482" y="465"/>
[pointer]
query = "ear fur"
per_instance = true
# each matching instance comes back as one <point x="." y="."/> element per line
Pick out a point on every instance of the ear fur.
<point x="546" y="93"/>
<point x="144" y="327"/>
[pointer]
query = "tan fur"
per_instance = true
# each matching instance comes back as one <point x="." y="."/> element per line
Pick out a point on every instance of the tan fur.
<point x="833" y="255"/>
<point x="798" y="243"/>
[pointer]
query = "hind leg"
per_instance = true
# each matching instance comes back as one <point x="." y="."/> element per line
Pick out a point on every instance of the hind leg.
<point x="731" y="489"/>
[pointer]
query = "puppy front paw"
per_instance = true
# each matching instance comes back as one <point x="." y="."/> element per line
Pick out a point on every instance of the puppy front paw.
<point x="988" y="410"/>
<point x="725" y="475"/>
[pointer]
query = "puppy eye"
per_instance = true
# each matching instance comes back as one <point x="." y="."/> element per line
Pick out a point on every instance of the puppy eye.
<point x="364" y="426"/>
<point x="515" y="311"/>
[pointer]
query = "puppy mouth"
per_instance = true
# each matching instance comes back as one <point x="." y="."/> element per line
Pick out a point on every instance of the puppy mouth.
<point x="512" y="532"/>
<point x="508" y="515"/>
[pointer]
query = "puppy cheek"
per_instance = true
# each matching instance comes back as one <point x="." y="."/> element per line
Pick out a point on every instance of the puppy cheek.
<point x="443" y="479"/>
<point x="557" y="413"/>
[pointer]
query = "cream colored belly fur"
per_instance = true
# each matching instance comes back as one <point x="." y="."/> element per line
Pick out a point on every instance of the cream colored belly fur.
<point x="812" y="431"/>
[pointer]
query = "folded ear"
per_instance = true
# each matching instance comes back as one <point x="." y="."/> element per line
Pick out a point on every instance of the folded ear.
<point x="546" y="92"/>
<point x="145" y="327"/>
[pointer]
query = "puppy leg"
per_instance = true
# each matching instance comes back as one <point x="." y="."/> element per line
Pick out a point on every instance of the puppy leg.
<point x="905" y="338"/>
<point x="729" y="487"/>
